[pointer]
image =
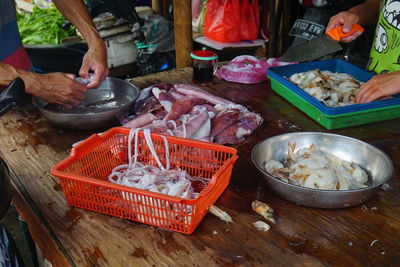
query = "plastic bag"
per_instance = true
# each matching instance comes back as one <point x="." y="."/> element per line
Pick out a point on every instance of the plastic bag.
<point x="198" y="15"/>
<point x="250" y="19"/>
<point x="156" y="35"/>
<point x="222" y="21"/>
<point x="229" y="21"/>
<point x="247" y="69"/>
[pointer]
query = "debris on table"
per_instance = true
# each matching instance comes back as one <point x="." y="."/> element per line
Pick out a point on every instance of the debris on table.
<point x="222" y="215"/>
<point x="264" y="210"/>
<point x="373" y="242"/>
<point x="261" y="226"/>
<point x="364" y="208"/>
<point x="386" y="187"/>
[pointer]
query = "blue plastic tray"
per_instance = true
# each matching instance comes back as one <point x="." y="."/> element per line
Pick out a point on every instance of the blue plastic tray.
<point x="282" y="73"/>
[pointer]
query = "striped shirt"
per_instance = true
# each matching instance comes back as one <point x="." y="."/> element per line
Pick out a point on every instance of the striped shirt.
<point x="11" y="50"/>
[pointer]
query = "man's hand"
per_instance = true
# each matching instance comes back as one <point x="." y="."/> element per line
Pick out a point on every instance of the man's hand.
<point x="363" y="14"/>
<point x="346" y="19"/>
<point x="95" y="60"/>
<point x="57" y="88"/>
<point x="379" y="86"/>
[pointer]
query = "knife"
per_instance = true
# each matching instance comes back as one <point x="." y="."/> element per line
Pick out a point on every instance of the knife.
<point x="323" y="45"/>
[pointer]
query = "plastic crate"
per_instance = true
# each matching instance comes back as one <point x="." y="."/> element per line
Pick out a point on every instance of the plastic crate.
<point x="338" y="117"/>
<point x="84" y="178"/>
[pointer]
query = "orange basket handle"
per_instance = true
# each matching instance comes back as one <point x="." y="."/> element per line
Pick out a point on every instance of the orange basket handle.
<point x="83" y="147"/>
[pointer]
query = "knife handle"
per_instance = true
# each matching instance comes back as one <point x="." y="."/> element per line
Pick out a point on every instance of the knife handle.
<point x="337" y="33"/>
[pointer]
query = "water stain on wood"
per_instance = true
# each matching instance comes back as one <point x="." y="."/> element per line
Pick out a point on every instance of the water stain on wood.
<point x="95" y="256"/>
<point x="297" y="240"/>
<point x="139" y="253"/>
<point x="72" y="216"/>
<point x="169" y="245"/>
<point x="390" y="198"/>
<point x="57" y="187"/>
<point x="27" y="129"/>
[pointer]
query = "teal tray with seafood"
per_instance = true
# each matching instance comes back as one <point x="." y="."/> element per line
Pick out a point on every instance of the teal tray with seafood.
<point x="332" y="117"/>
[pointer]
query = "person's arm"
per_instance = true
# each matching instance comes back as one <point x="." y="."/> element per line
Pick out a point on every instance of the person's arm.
<point x="366" y="13"/>
<point x="58" y="88"/>
<point x="379" y="86"/>
<point x="96" y="57"/>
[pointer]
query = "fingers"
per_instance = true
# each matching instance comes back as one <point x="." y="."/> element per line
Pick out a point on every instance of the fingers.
<point x="95" y="60"/>
<point x="351" y="38"/>
<point x="99" y="75"/>
<point x="68" y="92"/>
<point x="347" y="25"/>
<point x="370" y="90"/>
<point x="346" y="19"/>
<point x="333" y="23"/>
<point x="336" y="21"/>
<point x="70" y="75"/>
<point x="360" y="96"/>
<point x="374" y="89"/>
<point x="71" y="100"/>
<point x="84" y="70"/>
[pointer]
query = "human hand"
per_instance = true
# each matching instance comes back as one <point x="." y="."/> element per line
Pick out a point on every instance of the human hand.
<point x="346" y="19"/>
<point x="57" y="88"/>
<point x="95" y="60"/>
<point x="379" y="86"/>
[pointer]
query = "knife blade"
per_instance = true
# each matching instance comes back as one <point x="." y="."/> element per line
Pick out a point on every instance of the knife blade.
<point x="326" y="44"/>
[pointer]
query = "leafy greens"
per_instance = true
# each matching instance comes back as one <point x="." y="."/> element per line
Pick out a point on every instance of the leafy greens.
<point x="43" y="26"/>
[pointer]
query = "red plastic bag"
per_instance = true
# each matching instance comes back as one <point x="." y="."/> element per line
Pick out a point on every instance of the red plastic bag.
<point x="229" y="21"/>
<point x="250" y="17"/>
<point x="222" y="21"/>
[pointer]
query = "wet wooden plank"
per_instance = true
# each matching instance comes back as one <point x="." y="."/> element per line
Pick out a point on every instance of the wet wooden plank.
<point x="303" y="236"/>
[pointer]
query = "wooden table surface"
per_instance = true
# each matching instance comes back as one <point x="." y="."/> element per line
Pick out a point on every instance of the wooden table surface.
<point x="77" y="237"/>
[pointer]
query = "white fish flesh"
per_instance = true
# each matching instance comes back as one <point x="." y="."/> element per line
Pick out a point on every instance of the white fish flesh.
<point x="314" y="168"/>
<point x="331" y="88"/>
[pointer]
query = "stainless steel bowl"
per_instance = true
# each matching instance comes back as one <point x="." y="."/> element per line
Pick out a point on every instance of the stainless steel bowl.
<point x="375" y="162"/>
<point x="102" y="107"/>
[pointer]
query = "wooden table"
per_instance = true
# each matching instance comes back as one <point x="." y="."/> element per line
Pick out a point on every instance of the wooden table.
<point x="71" y="236"/>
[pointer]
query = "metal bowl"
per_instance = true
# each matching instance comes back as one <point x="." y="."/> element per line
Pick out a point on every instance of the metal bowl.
<point x="102" y="107"/>
<point x="375" y="162"/>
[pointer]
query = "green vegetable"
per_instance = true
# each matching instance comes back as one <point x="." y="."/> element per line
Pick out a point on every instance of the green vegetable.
<point x="43" y="26"/>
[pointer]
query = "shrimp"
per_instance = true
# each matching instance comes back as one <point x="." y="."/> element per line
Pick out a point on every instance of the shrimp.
<point x="313" y="168"/>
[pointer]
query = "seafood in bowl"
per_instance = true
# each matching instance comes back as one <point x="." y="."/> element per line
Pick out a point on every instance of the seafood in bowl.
<point x="373" y="161"/>
<point x="310" y="167"/>
<point x="331" y="88"/>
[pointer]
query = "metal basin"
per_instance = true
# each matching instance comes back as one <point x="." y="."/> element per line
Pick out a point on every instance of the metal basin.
<point x="375" y="162"/>
<point x="102" y="107"/>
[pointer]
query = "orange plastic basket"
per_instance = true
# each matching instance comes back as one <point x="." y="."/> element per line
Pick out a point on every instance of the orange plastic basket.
<point x="84" y="178"/>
